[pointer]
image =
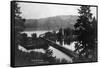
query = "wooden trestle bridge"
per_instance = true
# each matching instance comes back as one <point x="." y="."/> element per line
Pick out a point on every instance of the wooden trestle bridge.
<point x="61" y="48"/>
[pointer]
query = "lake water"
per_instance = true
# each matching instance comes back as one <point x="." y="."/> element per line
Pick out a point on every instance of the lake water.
<point x="57" y="53"/>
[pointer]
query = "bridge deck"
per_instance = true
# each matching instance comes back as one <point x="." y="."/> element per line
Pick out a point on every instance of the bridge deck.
<point x="61" y="48"/>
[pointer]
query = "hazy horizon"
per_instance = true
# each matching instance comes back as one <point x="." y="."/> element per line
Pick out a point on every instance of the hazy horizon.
<point x="39" y="10"/>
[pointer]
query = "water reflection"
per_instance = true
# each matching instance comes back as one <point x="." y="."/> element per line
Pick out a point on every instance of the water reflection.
<point x="60" y="55"/>
<point x="56" y="53"/>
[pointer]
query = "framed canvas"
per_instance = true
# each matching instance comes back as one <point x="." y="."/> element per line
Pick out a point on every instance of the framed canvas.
<point x="45" y="33"/>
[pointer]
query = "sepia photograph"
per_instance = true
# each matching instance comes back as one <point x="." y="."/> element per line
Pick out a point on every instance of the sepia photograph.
<point x="53" y="33"/>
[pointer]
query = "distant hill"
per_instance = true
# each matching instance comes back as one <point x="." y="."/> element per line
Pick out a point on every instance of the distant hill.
<point x="51" y="23"/>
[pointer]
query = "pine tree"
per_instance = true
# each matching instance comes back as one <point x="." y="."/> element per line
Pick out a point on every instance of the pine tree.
<point x="86" y="33"/>
<point x="19" y="21"/>
<point x="17" y="24"/>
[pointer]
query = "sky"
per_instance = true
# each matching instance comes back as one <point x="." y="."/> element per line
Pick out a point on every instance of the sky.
<point x="37" y="10"/>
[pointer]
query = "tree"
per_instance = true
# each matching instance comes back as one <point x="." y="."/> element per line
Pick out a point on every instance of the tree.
<point x="17" y="25"/>
<point x="86" y="32"/>
<point x="18" y="22"/>
<point x="68" y="35"/>
<point x="60" y="36"/>
<point x="48" y="56"/>
<point x="24" y="40"/>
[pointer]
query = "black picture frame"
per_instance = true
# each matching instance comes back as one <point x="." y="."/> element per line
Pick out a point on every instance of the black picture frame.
<point x="13" y="33"/>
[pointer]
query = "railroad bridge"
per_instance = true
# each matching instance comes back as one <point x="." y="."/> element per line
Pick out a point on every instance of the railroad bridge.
<point x="66" y="51"/>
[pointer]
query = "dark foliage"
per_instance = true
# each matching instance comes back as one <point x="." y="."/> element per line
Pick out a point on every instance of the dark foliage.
<point x="68" y="36"/>
<point x="18" y="24"/>
<point x="86" y="30"/>
<point x="48" y="56"/>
